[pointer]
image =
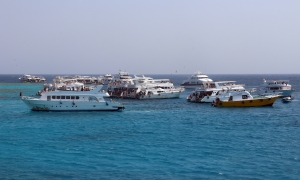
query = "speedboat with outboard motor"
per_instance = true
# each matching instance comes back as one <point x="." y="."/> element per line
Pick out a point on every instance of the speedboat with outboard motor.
<point x="287" y="99"/>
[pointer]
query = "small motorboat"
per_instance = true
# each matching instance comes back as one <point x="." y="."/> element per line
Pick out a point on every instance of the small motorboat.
<point x="287" y="99"/>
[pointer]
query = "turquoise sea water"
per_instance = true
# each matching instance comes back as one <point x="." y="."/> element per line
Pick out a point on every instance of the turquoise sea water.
<point x="150" y="139"/>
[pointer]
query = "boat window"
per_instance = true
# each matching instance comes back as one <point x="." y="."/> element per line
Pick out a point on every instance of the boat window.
<point x="53" y="97"/>
<point x="48" y="98"/>
<point x="274" y="88"/>
<point x="93" y="98"/>
<point x="244" y="96"/>
<point x="63" y="97"/>
<point x="77" y="97"/>
<point x="67" y="97"/>
<point x="209" y="93"/>
<point x="57" y="97"/>
<point x="72" y="97"/>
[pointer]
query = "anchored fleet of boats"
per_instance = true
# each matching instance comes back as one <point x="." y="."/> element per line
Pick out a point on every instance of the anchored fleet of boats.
<point x="83" y="93"/>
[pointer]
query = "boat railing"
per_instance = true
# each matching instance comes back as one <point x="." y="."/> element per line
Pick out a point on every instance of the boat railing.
<point x="229" y="85"/>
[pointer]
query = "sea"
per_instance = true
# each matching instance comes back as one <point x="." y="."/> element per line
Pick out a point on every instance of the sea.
<point x="151" y="139"/>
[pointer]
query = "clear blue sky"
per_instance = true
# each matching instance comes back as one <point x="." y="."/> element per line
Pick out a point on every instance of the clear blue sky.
<point x="149" y="36"/>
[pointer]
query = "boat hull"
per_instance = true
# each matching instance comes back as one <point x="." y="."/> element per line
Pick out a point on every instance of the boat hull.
<point x="286" y="99"/>
<point x="206" y="99"/>
<point x="283" y="93"/>
<point x="38" y="105"/>
<point x="191" y="86"/>
<point x="168" y="95"/>
<point x="248" y="103"/>
<point x="161" y="96"/>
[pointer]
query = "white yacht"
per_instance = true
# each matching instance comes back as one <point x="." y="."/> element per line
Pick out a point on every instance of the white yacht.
<point x="72" y="101"/>
<point x="121" y="76"/>
<point x="30" y="78"/>
<point x="141" y="87"/>
<point x="64" y="79"/>
<point x="149" y="88"/>
<point x="197" y="80"/>
<point x="280" y="87"/>
<point x="86" y="79"/>
<point x="208" y="95"/>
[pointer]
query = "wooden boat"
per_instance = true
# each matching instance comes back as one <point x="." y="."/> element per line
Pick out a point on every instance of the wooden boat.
<point x="244" y="99"/>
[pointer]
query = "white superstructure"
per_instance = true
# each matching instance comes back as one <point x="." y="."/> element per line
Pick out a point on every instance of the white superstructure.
<point x="141" y="87"/>
<point x="106" y="79"/>
<point x="208" y="95"/>
<point x="30" y="78"/>
<point x="87" y="80"/>
<point x="280" y="87"/>
<point x="197" y="80"/>
<point x="72" y="101"/>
